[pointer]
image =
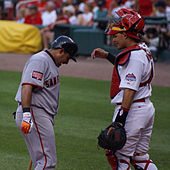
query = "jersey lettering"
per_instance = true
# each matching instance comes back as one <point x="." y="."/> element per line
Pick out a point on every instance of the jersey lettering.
<point x="51" y="82"/>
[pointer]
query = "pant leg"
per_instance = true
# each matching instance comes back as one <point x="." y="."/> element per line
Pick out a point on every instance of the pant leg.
<point x="138" y="129"/>
<point x="41" y="141"/>
<point x="143" y="143"/>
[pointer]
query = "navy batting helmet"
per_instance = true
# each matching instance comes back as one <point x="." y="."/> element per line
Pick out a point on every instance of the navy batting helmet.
<point x="67" y="44"/>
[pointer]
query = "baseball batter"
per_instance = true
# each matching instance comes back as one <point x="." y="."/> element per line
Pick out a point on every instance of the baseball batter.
<point x="38" y="100"/>
<point x="130" y="90"/>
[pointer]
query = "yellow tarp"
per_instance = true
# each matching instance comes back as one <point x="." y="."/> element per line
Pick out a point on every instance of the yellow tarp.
<point x="19" y="38"/>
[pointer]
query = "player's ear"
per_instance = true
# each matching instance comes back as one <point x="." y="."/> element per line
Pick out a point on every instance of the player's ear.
<point x="125" y="35"/>
<point x="61" y="51"/>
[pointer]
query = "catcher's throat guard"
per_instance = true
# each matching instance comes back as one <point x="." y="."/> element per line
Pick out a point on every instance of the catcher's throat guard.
<point x="115" y="140"/>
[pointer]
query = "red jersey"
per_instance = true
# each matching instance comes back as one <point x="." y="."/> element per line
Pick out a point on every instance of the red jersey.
<point x="145" y="7"/>
<point x="36" y="20"/>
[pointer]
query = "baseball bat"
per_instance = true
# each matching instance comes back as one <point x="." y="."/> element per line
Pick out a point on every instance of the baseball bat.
<point x="30" y="164"/>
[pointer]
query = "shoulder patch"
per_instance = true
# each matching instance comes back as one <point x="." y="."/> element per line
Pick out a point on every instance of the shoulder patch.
<point x="130" y="77"/>
<point x="37" y="75"/>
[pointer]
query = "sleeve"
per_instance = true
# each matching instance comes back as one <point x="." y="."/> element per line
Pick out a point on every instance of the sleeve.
<point x="131" y="75"/>
<point x="54" y="17"/>
<point x="34" y="73"/>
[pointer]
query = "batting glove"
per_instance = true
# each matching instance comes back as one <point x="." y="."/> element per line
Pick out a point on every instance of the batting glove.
<point x="27" y="123"/>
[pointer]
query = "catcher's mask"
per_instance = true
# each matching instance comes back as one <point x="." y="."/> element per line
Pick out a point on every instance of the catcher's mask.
<point x="126" y="20"/>
<point x="67" y="44"/>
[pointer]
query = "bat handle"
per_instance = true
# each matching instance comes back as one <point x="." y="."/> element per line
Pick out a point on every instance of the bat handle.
<point x="30" y="164"/>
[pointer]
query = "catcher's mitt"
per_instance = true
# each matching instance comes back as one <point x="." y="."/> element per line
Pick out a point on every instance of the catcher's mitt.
<point x="115" y="140"/>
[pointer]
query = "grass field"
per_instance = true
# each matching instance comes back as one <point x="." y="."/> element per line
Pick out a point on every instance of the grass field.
<point x="84" y="109"/>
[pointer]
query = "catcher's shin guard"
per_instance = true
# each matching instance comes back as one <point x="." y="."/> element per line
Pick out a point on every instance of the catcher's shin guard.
<point x="112" y="159"/>
<point x="142" y="162"/>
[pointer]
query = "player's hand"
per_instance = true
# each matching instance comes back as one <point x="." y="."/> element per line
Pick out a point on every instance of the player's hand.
<point x="110" y="130"/>
<point x="99" y="53"/>
<point x="27" y="123"/>
<point x="112" y="127"/>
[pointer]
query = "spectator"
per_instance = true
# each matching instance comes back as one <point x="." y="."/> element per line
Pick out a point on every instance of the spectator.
<point x="76" y="7"/>
<point x="67" y="2"/>
<point x="86" y="18"/>
<point x="101" y="11"/>
<point x="163" y="29"/>
<point x="34" y="16"/>
<point x="115" y="6"/>
<point x="20" y="15"/>
<point x="144" y="7"/>
<point x="93" y="5"/>
<point x="58" y="3"/>
<point x="129" y="3"/>
<point x="108" y="2"/>
<point x="168" y="17"/>
<point x="49" y="16"/>
<point x="40" y="4"/>
<point x="152" y="39"/>
<point x="81" y="6"/>
<point x="9" y="9"/>
<point x="69" y="11"/>
<point x="168" y="10"/>
<point x="160" y="9"/>
<point x="47" y="33"/>
<point x="61" y="17"/>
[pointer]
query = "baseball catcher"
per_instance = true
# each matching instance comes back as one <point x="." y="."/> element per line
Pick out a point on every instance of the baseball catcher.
<point x="130" y="92"/>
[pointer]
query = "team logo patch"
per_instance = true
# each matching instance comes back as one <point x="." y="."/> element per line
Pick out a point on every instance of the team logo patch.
<point x="37" y="75"/>
<point x="130" y="77"/>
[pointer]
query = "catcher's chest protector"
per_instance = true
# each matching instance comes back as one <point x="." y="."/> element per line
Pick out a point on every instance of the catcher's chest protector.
<point x="121" y="59"/>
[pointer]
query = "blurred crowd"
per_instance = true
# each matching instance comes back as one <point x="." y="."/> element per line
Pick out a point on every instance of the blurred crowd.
<point x="48" y="13"/>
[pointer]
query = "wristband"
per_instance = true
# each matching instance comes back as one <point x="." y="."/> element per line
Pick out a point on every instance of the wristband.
<point x="26" y="109"/>
<point x="111" y="58"/>
<point x="121" y="116"/>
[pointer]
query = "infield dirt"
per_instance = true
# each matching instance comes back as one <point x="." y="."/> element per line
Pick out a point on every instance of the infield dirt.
<point x="99" y="69"/>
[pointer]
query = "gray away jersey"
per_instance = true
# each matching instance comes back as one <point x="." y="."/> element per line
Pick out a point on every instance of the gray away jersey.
<point x="41" y="72"/>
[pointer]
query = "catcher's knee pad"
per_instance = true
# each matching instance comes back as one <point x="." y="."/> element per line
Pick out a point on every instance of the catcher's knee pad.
<point x="142" y="162"/>
<point x="112" y="159"/>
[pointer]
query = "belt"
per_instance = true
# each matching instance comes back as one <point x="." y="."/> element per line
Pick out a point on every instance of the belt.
<point x="135" y="101"/>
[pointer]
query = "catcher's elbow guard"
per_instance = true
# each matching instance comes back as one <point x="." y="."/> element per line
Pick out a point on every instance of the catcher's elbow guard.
<point x="116" y="138"/>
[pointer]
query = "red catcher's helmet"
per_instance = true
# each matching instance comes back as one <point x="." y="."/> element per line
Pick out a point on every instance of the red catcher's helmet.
<point x="126" y="20"/>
